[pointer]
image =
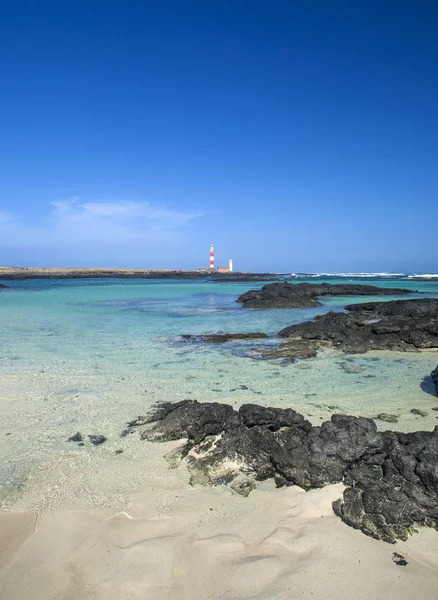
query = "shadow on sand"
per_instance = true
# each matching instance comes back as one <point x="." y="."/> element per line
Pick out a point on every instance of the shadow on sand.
<point x="428" y="386"/>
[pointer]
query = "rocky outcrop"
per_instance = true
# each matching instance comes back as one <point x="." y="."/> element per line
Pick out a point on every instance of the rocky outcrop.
<point x="278" y="295"/>
<point x="435" y="379"/>
<point x="403" y="325"/>
<point x="400" y="325"/>
<point x="220" y="338"/>
<point x="391" y="478"/>
<point x="304" y="295"/>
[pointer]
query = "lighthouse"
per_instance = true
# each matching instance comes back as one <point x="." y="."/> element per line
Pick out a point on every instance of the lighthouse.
<point x="211" y="257"/>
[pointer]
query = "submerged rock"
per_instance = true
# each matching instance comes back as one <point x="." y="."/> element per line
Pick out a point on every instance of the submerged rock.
<point x="219" y="338"/>
<point x="387" y="418"/>
<point x="350" y="368"/>
<point x="419" y="411"/>
<point x="291" y="350"/>
<point x="77" y="437"/>
<point x="391" y="478"/>
<point x="434" y="375"/>
<point x="96" y="440"/>
<point x="303" y="295"/>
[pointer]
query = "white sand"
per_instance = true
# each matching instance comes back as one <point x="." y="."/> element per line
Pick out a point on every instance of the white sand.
<point x="179" y="542"/>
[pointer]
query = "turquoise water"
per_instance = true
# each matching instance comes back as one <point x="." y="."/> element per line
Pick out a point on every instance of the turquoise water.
<point x="90" y="355"/>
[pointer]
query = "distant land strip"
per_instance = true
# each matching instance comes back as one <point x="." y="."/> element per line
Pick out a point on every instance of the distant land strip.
<point x="11" y="273"/>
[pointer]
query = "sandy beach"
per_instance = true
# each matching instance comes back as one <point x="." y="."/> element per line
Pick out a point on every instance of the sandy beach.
<point x="113" y="521"/>
<point x="219" y="301"/>
<point x="170" y="540"/>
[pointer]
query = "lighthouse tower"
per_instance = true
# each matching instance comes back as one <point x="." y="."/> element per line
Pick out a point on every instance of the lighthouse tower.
<point x="211" y="257"/>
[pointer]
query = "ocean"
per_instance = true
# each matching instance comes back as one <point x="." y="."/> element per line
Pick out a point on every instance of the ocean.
<point x="90" y="355"/>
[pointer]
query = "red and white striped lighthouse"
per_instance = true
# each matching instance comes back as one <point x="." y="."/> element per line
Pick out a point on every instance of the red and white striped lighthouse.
<point x="211" y="257"/>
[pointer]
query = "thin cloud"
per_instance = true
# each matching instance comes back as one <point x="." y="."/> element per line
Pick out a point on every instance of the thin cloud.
<point x="73" y="222"/>
<point x="5" y="218"/>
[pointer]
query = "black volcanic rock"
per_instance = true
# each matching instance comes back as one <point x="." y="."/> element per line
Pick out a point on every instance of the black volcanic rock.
<point x="435" y="378"/>
<point x="414" y="308"/>
<point x="303" y="295"/>
<point x="391" y="478"/>
<point x="219" y="338"/>
<point x="96" y="440"/>
<point x="403" y="325"/>
<point x="278" y="295"/>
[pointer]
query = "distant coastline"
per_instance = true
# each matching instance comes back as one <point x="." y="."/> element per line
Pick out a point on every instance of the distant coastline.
<point x="20" y="273"/>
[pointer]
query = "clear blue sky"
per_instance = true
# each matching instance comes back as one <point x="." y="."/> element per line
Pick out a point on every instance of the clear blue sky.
<point x="294" y="135"/>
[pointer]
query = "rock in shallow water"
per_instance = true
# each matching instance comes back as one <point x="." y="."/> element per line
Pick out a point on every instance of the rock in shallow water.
<point x="303" y="295"/>
<point x="398" y="325"/>
<point x="391" y="478"/>
<point x="291" y="350"/>
<point x="96" y="440"/>
<point x="419" y="411"/>
<point x="219" y="338"/>
<point x="387" y="418"/>
<point x="402" y="325"/>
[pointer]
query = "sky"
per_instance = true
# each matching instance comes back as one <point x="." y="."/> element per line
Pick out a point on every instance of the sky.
<point x="293" y="135"/>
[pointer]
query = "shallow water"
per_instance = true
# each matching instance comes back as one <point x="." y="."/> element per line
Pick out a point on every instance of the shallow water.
<point x="89" y="355"/>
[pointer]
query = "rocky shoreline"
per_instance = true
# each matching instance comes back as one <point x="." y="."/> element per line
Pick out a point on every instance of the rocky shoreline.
<point x="399" y="325"/>
<point x="304" y="295"/>
<point x="396" y="325"/>
<point x="391" y="478"/>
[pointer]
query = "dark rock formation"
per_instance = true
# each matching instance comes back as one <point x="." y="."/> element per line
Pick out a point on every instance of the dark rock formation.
<point x="96" y="440"/>
<point x="387" y="417"/>
<point x="391" y="478"/>
<point x="303" y="295"/>
<point x="293" y="349"/>
<point x="399" y="560"/>
<point x="435" y="378"/>
<point x="279" y="295"/>
<point x="419" y="411"/>
<point x="403" y="325"/>
<point x="219" y="338"/>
